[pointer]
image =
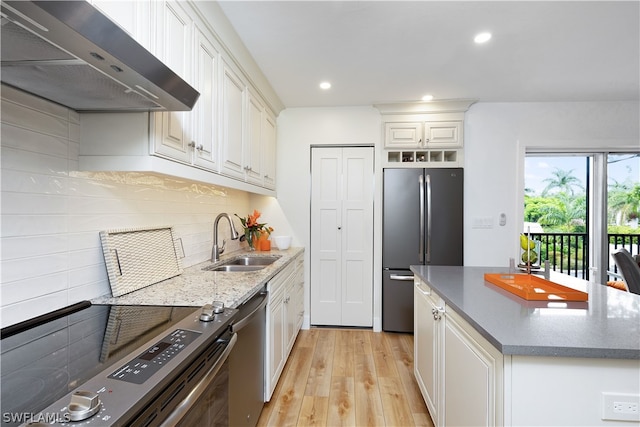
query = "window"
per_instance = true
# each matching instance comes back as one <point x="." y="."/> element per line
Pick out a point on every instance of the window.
<point x="582" y="207"/>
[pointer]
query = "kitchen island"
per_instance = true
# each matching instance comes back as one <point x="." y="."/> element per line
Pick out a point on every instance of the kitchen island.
<point x="484" y="356"/>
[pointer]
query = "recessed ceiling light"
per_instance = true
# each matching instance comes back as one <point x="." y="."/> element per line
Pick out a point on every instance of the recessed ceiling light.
<point x="427" y="98"/>
<point x="482" y="38"/>
<point x="325" y="85"/>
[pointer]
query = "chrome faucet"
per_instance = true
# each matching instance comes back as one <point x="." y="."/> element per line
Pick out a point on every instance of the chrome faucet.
<point x="217" y="251"/>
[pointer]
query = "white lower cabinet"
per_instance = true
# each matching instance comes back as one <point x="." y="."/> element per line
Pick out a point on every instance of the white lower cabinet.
<point x="285" y="310"/>
<point x="458" y="372"/>
<point x="427" y="347"/>
<point x="472" y="376"/>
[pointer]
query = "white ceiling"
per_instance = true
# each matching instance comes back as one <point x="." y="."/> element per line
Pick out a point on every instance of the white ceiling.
<point x="396" y="51"/>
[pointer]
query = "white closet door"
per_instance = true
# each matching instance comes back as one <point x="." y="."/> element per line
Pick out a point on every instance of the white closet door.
<point x="342" y="236"/>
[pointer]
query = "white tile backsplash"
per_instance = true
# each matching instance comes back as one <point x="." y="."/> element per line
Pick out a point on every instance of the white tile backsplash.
<point x="51" y="213"/>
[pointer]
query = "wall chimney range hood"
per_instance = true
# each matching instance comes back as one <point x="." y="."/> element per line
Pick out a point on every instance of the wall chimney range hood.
<point x="70" y="53"/>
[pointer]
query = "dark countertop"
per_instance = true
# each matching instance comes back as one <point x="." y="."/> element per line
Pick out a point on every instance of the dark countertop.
<point x="607" y="326"/>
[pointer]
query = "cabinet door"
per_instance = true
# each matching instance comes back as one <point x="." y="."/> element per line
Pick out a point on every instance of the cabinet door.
<point x="232" y="114"/>
<point x="299" y="293"/>
<point x="291" y="314"/>
<point x="275" y="360"/>
<point x="205" y="112"/>
<point x="253" y="141"/>
<point x="443" y="134"/>
<point x="427" y="335"/>
<point x="172" y="138"/>
<point x="403" y="134"/>
<point x="472" y="376"/>
<point x="269" y="149"/>
<point x="341" y="236"/>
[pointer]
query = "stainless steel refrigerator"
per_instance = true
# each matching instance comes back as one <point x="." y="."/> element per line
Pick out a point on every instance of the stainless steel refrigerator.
<point x="421" y="224"/>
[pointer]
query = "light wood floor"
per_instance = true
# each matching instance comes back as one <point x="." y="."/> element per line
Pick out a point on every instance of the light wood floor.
<point x="348" y="377"/>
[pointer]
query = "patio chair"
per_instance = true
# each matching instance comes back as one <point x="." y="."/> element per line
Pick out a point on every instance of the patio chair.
<point x="628" y="268"/>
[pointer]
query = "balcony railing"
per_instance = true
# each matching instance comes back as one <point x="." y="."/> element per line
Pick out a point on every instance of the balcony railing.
<point x="568" y="253"/>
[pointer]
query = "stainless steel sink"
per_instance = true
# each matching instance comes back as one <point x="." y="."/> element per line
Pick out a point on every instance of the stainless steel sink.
<point x="253" y="260"/>
<point x="236" y="268"/>
<point x="245" y="263"/>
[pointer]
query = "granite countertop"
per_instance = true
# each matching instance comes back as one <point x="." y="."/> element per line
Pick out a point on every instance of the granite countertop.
<point x="197" y="287"/>
<point x="606" y="326"/>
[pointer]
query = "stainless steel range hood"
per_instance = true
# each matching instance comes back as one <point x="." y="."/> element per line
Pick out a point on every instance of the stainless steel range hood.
<point x="70" y="53"/>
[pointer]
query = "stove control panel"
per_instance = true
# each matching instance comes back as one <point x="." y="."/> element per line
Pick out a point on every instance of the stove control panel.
<point x="141" y="368"/>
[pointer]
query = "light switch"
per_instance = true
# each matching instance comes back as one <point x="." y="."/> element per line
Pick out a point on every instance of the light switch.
<point x="482" y="222"/>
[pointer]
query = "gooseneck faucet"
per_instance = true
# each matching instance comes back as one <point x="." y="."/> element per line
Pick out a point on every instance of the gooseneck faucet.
<point x="217" y="251"/>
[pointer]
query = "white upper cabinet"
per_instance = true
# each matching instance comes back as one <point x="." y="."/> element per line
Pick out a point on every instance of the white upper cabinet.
<point x="205" y="112"/>
<point x="253" y="147"/>
<point x="227" y="139"/>
<point x="432" y="134"/>
<point x="443" y="134"/>
<point x="259" y="151"/>
<point x="231" y="144"/>
<point x="269" y="147"/>
<point x="175" y="45"/>
<point x="403" y="134"/>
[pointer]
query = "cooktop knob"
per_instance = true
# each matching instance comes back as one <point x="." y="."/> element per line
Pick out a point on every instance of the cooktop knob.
<point x="83" y="405"/>
<point x="218" y="307"/>
<point x="207" y="314"/>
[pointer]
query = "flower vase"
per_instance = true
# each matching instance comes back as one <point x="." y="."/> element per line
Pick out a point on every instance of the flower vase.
<point x="264" y="244"/>
<point x="252" y="239"/>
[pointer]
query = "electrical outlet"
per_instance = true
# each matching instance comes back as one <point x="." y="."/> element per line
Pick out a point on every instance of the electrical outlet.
<point x="620" y="407"/>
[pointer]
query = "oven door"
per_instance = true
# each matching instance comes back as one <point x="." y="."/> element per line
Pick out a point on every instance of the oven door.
<point x="199" y="396"/>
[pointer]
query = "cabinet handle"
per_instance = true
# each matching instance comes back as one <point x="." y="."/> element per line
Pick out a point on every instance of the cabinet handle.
<point x="423" y="291"/>
<point x="192" y="144"/>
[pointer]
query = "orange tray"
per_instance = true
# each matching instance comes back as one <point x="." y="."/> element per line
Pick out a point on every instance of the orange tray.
<point x="534" y="288"/>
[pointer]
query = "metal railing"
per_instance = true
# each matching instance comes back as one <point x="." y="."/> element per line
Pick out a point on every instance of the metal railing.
<point x="568" y="253"/>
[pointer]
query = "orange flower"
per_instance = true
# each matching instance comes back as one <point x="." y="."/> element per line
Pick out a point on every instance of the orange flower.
<point x="252" y="220"/>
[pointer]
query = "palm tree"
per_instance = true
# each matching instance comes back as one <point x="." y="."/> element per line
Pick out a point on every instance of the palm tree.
<point x="562" y="181"/>
<point x="624" y="203"/>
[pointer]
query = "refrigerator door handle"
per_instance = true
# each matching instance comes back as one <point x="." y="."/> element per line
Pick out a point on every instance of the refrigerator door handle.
<point x="400" y="277"/>
<point x="421" y="238"/>
<point x="428" y="219"/>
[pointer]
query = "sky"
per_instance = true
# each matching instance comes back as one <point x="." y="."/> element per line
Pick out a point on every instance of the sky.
<point x="537" y="169"/>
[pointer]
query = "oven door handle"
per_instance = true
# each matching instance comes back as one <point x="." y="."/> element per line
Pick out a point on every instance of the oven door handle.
<point x="193" y="396"/>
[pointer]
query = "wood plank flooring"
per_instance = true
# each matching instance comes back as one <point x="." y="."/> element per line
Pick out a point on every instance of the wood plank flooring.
<point x="348" y="377"/>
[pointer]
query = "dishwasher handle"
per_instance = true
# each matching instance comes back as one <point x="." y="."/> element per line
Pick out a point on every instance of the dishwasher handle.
<point x="401" y="277"/>
<point x="193" y="396"/>
<point x="235" y="327"/>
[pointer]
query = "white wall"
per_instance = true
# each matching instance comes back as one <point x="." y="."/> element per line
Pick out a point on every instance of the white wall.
<point x="298" y="130"/>
<point x="51" y="214"/>
<point x="496" y="137"/>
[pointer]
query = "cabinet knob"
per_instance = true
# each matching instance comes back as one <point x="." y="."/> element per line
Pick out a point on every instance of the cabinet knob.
<point x="200" y="147"/>
<point x="192" y="144"/>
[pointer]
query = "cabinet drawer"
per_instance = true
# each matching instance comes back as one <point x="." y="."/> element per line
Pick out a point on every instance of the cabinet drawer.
<point x="277" y="282"/>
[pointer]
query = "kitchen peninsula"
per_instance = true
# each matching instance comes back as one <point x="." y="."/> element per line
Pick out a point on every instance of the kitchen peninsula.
<point x="486" y="357"/>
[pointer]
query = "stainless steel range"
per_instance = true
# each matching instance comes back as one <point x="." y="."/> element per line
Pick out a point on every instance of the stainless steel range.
<point x="118" y="365"/>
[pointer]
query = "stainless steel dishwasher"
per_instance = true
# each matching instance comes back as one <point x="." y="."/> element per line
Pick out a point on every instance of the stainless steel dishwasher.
<point x="246" y="362"/>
